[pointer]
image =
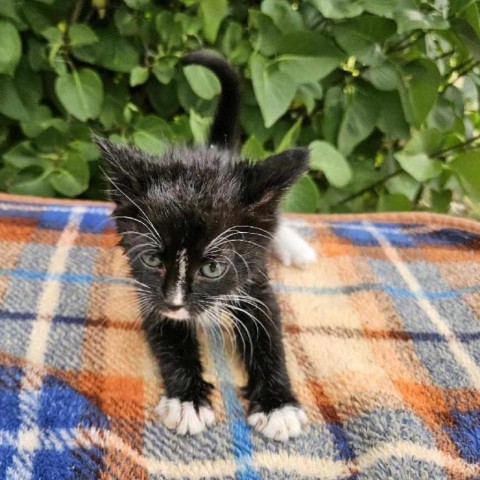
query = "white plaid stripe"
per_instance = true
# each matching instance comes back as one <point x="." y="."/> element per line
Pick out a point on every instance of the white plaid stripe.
<point x="28" y="435"/>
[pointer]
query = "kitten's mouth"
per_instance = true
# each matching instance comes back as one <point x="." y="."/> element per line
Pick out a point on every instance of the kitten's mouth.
<point x="179" y="314"/>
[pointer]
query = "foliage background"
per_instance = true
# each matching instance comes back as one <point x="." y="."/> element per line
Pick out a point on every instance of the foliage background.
<point x="385" y="92"/>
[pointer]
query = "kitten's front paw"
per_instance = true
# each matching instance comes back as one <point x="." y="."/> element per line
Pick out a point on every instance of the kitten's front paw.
<point x="291" y="249"/>
<point x="183" y="416"/>
<point x="279" y="424"/>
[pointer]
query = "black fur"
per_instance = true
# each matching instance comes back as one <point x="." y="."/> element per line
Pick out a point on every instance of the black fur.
<point x="187" y="198"/>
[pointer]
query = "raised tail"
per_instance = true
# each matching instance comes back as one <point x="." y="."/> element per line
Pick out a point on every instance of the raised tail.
<point x="224" y="132"/>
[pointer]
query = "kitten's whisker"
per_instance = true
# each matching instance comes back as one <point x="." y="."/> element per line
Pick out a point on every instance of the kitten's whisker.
<point x="242" y="258"/>
<point x="141" y="245"/>
<point x="250" y="301"/>
<point x="140" y="234"/>
<point x="133" y="219"/>
<point x="255" y="321"/>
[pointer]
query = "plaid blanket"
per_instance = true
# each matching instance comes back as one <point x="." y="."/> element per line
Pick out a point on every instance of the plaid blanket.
<point x="382" y="338"/>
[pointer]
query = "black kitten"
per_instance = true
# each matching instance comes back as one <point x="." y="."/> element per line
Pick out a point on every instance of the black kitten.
<point x="197" y="225"/>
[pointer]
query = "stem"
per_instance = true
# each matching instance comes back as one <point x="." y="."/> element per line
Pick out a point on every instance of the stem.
<point x="441" y="153"/>
<point x="401" y="45"/>
<point x="76" y="11"/>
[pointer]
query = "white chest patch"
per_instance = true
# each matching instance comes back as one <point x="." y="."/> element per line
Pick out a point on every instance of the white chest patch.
<point x="183" y="417"/>
<point x="280" y="424"/>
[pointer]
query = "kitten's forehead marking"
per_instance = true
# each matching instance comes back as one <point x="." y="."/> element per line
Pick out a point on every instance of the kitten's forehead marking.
<point x="182" y="264"/>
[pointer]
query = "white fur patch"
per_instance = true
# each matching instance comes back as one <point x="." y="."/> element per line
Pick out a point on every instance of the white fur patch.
<point x="181" y="314"/>
<point x="280" y="424"/>
<point x="182" y="416"/>
<point x="291" y="249"/>
<point x="181" y="279"/>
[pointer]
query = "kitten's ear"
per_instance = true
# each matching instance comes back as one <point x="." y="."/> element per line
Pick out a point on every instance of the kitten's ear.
<point x="126" y="169"/>
<point x="268" y="180"/>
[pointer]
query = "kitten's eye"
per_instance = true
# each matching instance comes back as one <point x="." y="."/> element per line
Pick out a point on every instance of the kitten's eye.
<point x="213" y="269"/>
<point x="151" y="260"/>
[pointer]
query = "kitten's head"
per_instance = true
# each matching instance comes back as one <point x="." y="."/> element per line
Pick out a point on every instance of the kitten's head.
<point x="195" y="223"/>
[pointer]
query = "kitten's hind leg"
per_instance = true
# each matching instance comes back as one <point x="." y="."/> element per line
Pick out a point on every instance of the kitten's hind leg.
<point x="290" y="248"/>
<point x="185" y="406"/>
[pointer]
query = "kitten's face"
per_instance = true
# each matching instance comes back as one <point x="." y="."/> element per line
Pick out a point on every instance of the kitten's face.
<point x="188" y="264"/>
<point x="195" y="224"/>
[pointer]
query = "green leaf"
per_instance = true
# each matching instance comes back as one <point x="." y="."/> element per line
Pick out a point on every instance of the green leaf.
<point x="412" y="19"/>
<point x="152" y="134"/>
<point x="468" y="36"/>
<point x="125" y="22"/>
<point x="34" y="125"/>
<point x="358" y="121"/>
<point x="391" y="119"/>
<point x="404" y="184"/>
<point x="384" y="76"/>
<point x="137" y="4"/>
<point x="10" y="47"/>
<point x="325" y="157"/>
<point x="253" y="150"/>
<point x="418" y="85"/>
<point x="20" y="95"/>
<point x="212" y="13"/>
<point x="440" y="201"/>
<point x="393" y="202"/>
<point x="426" y="141"/>
<point x="283" y="15"/>
<point x="307" y="56"/>
<point x="200" y="127"/>
<point x="420" y="166"/>
<point x="466" y="167"/>
<point x="290" y="137"/>
<point x="383" y="8"/>
<point x="364" y="37"/>
<point x="273" y="88"/>
<point x="21" y="156"/>
<point x="164" y="69"/>
<point x="9" y="9"/>
<point x="269" y="34"/>
<point x="80" y="34"/>
<point x="339" y="8"/>
<point x="116" y="98"/>
<point x="202" y="81"/>
<point x="73" y="176"/>
<point x="81" y="93"/>
<point x="38" y="186"/>
<point x="442" y="115"/>
<point x="333" y="113"/>
<point x="138" y="76"/>
<point x="302" y="197"/>
<point x="112" y="52"/>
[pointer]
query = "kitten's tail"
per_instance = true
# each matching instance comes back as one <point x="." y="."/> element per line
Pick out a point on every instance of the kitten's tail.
<point x="225" y="131"/>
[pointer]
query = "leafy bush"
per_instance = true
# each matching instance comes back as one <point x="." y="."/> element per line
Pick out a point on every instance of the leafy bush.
<point x="385" y="92"/>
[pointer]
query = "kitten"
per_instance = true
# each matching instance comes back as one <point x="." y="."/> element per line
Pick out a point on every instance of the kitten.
<point x="197" y="225"/>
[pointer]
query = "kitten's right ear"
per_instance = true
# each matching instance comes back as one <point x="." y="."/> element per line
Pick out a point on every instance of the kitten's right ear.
<point x="125" y="168"/>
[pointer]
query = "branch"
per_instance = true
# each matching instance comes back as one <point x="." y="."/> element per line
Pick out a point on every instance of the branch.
<point x="370" y="187"/>
<point x="439" y="153"/>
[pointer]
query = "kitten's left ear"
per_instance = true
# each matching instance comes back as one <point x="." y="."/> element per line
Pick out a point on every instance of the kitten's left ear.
<point x="127" y="169"/>
<point x="268" y="180"/>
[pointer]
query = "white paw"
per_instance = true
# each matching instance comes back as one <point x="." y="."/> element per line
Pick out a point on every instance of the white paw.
<point x="182" y="416"/>
<point x="280" y="424"/>
<point x="291" y="249"/>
